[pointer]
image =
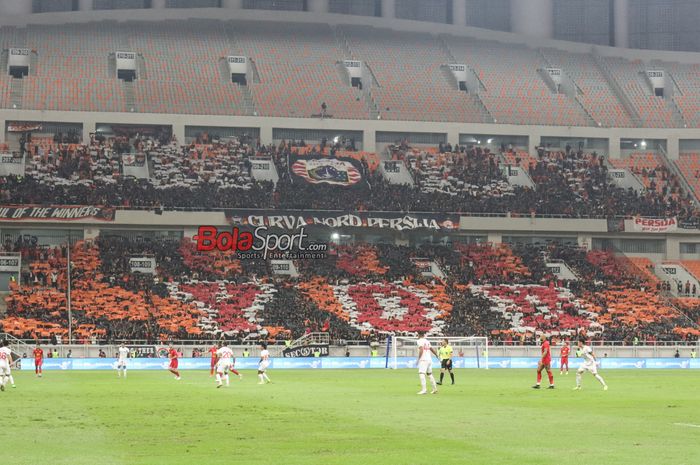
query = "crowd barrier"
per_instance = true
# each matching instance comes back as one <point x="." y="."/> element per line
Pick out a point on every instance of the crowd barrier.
<point x="27" y="364"/>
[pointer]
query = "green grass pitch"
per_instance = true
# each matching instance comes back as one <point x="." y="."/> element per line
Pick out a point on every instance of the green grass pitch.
<point x="358" y="417"/>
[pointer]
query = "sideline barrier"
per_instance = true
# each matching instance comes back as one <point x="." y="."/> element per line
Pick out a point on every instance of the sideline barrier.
<point x="27" y="364"/>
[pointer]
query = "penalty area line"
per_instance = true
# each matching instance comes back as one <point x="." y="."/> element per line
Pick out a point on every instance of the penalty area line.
<point x="689" y="425"/>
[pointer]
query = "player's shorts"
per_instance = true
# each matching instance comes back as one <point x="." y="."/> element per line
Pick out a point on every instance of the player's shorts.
<point x="263" y="365"/>
<point x="223" y="365"/>
<point x="38" y="362"/>
<point x="425" y="367"/>
<point x="589" y="366"/>
<point x="121" y="363"/>
<point x="446" y="364"/>
<point x="564" y="361"/>
<point x="4" y="369"/>
<point x="173" y="364"/>
<point x="546" y="362"/>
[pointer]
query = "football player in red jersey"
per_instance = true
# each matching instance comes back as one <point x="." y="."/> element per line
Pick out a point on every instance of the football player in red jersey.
<point x="545" y="363"/>
<point x="172" y="355"/>
<point x="564" y="358"/>
<point x="212" y="351"/>
<point x="38" y="359"/>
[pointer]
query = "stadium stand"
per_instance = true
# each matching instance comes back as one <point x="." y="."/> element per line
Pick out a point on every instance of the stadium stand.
<point x="651" y="169"/>
<point x="474" y="172"/>
<point x="72" y="69"/>
<point x="514" y="92"/>
<point x="653" y="110"/>
<point x="299" y="71"/>
<point x="218" y="176"/>
<point x="596" y="95"/>
<point x="360" y="291"/>
<point x="411" y="83"/>
<point x="689" y="165"/>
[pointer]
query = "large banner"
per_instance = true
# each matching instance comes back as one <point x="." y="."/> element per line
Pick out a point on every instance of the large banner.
<point x="295" y="219"/>
<point x="324" y="170"/>
<point x="21" y="126"/>
<point x="66" y="213"/>
<point x="655" y="225"/>
<point x="306" y="351"/>
<point x="251" y="363"/>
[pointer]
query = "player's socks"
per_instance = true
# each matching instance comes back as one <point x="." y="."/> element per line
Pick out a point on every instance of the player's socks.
<point x="12" y="380"/>
<point x="124" y="373"/>
<point x="262" y="380"/>
<point x="227" y="379"/>
<point x="551" y="378"/>
<point x="442" y="375"/>
<point x="600" y="379"/>
<point x="452" y="375"/>
<point x="539" y="377"/>
<point x="267" y="379"/>
<point x="218" y="379"/>
<point x="432" y="382"/>
<point x="578" y="379"/>
<point x="422" y="381"/>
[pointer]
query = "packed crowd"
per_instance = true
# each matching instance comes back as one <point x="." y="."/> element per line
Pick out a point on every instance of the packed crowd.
<point x="217" y="174"/>
<point x="356" y="292"/>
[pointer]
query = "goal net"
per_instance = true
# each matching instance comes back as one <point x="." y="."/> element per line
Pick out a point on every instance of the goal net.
<point x="472" y="348"/>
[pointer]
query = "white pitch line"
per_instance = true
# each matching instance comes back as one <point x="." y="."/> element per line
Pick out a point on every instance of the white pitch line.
<point x="690" y="425"/>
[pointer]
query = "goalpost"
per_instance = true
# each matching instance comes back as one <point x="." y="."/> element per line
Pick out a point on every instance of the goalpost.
<point x="470" y="346"/>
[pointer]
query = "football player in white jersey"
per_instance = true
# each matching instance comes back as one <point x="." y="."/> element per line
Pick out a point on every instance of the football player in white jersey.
<point x="224" y="357"/>
<point x="425" y="363"/>
<point x="589" y="364"/>
<point x="122" y="355"/>
<point x="264" y="363"/>
<point x="5" y="362"/>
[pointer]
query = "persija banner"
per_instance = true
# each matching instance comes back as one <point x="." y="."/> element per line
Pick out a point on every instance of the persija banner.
<point x="658" y="225"/>
<point x="324" y="170"/>
<point x="65" y="213"/>
<point x="295" y="219"/>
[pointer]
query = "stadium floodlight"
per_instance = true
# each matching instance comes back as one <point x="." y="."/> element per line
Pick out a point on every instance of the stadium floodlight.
<point x="475" y="349"/>
<point x="644" y="143"/>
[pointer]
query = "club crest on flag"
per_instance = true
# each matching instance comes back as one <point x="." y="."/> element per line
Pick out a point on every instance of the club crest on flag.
<point x="329" y="171"/>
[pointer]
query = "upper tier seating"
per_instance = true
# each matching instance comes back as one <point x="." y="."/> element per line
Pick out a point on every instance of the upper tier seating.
<point x="294" y="68"/>
<point x="686" y="95"/>
<point x="298" y="68"/>
<point x="187" y="78"/>
<point x="653" y="111"/>
<point x="514" y="92"/>
<point x="411" y="83"/>
<point x="596" y="94"/>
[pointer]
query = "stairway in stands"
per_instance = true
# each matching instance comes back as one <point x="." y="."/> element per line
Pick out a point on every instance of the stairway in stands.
<point x="16" y="92"/>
